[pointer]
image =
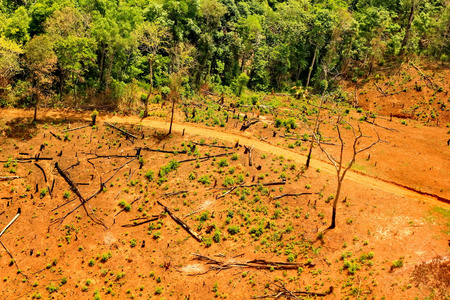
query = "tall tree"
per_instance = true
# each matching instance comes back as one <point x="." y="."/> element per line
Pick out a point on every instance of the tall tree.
<point x="9" y="62"/>
<point x="41" y="61"/>
<point x="182" y="60"/>
<point x="74" y="48"/>
<point x="152" y="38"/>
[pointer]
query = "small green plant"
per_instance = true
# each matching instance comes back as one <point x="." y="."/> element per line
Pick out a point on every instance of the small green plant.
<point x="204" y="179"/>
<point x="105" y="257"/>
<point x="397" y="264"/>
<point x="158" y="290"/>
<point x="124" y="204"/>
<point x="150" y="175"/>
<point x="43" y="192"/>
<point x="233" y="229"/>
<point x="66" y="195"/>
<point x="94" y="115"/>
<point x="223" y="162"/>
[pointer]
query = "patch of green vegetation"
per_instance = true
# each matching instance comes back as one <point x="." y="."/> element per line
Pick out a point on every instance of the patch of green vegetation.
<point x="446" y="214"/>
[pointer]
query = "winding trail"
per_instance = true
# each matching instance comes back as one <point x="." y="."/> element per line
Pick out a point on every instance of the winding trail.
<point x="244" y="138"/>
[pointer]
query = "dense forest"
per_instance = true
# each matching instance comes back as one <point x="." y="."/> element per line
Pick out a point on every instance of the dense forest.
<point x="74" y="51"/>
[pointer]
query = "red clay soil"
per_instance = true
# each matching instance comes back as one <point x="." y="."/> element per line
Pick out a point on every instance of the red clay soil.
<point x="383" y="214"/>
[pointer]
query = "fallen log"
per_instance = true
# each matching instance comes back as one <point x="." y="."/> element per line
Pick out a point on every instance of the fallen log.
<point x="161" y="151"/>
<point x="121" y="130"/>
<point x="77" y="192"/>
<point x="286" y="195"/>
<point x="205" y="157"/>
<point x="9" y="177"/>
<point x="19" y="211"/>
<point x="174" y="193"/>
<point x="211" y="145"/>
<point x="56" y="136"/>
<point x="43" y="172"/>
<point x="27" y="159"/>
<point x="244" y="127"/>
<point x="283" y="291"/>
<point x="217" y="265"/>
<point x="155" y="218"/>
<point x="194" y="234"/>
<point x="67" y="130"/>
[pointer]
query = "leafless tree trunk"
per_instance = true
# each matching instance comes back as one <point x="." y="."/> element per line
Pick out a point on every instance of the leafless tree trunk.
<point x="313" y="138"/>
<point x="312" y="66"/>
<point x="341" y="168"/>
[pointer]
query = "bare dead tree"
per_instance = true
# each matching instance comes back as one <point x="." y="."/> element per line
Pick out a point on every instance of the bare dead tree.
<point x="339" y="164"/>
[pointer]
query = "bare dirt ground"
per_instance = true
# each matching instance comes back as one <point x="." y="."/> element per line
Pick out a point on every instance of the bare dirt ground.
<point x="393" y="216"/>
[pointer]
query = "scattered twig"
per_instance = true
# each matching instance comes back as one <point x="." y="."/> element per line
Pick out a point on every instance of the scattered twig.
<point x="130" y="204"/>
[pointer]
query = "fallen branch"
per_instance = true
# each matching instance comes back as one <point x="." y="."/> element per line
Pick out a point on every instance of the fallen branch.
<point x="130" y="205"/>
<point x="58" y="137"/>
<point x="12" y="221"/>
<point x="205" y="157"/>
<point x="9" y="177"/>
<point x="22" y="159"/>
<point x="144" y="222"/>
<point x="77" y="192"/>
<point x="217" y="265"/>
<point x="286" y="195"/>
<point x="174" y="193"/>
<point x="194" y="234"/>
<point x="67" y="130"/>
<point x="381" y="91"/>
<point x="162" y="151"/>
<point x="250" y="185"/>
<point x="12" y="259"/>
<point x="211" y="145"/>
<point x="283" y="291"/>
<point x="391" y="129"/>
<point x="426" y="77"/>
<point x="121" y="130"/>
<point x="43" y="172"/>
<point x="246" y="126"/>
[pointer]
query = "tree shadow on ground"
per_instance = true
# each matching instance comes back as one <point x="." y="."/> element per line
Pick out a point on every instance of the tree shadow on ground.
<point x="21" y="128"/>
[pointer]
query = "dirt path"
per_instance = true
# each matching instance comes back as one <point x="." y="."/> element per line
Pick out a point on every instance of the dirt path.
<point x="7" y="114"/>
